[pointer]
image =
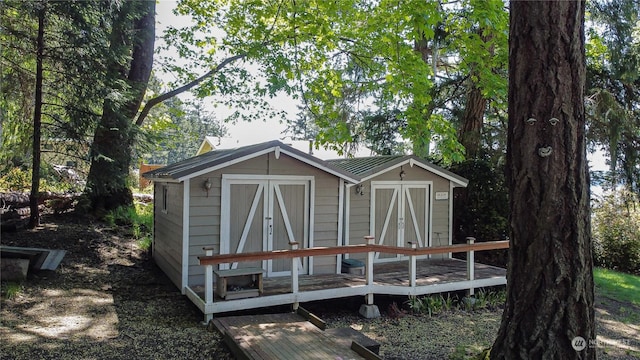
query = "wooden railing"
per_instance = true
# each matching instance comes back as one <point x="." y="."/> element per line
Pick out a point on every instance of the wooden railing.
<point x="370" y="248"/>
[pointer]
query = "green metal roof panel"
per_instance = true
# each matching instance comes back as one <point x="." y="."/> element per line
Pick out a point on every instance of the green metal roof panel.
<point x="368" y="167"/>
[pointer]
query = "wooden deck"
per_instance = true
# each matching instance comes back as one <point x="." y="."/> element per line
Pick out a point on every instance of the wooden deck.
<point x="432" y="276"/>
<point x="280" y="336"/>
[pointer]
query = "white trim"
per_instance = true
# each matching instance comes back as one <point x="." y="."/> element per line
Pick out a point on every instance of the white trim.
<point x="341" y="221"/>
<point x="450" y="216"/>
<point x="186" y="203"/>
<point x="422" y="165"/>
<point x="310" y="221"/>
<point x="400" y="197"/>
<point x="225" y="164"/>
<point x="271" y="194"/>
<point x="267" y="151"/>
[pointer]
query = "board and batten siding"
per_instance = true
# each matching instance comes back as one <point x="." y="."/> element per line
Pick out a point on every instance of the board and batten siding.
<point x="205" y="209"/>
<point x="359" y="206"/>
<point x="167" y="228"/>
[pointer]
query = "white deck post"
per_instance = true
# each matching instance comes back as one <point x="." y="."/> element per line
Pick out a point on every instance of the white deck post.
<point x="208" y="283"/>
<point x="369" y="310"/>
<point x="294" y="274"/>
<point x="369" y="269"/>
<point x="471" y="264"/>
<point x="412" y="266"/>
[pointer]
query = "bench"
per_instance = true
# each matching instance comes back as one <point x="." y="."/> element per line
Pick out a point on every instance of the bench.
<point x="239" y="283"/>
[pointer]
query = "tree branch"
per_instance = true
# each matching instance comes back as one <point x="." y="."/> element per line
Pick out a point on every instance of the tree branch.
<point x="158" y="99"/>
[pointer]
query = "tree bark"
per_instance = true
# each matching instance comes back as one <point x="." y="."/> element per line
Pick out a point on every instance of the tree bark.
<point x="472" y="121"/>
<point x="111" y="151"/>
<point x="550" y="279"/>
<point x="34" y="217"/>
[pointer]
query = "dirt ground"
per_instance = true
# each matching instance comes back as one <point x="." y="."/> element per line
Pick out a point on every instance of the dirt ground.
<point x="108" y="300"/>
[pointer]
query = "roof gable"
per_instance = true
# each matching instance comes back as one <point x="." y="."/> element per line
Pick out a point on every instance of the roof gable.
<point x="369" y="167"/>
<point x="217" y="159"/>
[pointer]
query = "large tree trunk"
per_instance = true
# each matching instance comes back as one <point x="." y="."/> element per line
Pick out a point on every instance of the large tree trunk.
<point x="34" y="218"/>
<point x="550" y="281"/>
<point x="107" y="185"/>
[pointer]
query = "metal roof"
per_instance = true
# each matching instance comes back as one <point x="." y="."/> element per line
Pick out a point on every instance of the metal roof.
<point x="217" y="159"/>
<point x="369" y="167"/>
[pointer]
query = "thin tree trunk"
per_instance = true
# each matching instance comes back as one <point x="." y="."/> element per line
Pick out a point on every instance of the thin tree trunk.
<point x="34" y="218"/>
<point x="549" y="306"/>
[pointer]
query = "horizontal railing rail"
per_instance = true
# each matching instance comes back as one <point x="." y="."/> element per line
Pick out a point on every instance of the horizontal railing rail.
<point x="350" y="249"/>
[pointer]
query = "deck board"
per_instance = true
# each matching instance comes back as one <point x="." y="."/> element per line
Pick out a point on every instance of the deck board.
<point x="281" y="336"/>
<point x="428" y="272"/>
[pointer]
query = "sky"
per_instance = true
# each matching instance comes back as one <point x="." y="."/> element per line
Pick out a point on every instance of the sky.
<point x="246" y="133"/>
<point x="242" y="133"/>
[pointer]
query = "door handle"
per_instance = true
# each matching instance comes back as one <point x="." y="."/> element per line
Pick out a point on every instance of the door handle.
<point x="270" y="229"/>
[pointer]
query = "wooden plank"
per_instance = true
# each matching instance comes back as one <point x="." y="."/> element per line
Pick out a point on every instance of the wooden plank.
<point x="312" y="318"/>
<point x="364" y="352"/>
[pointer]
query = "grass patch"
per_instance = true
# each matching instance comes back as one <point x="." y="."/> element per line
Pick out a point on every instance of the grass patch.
<point x="10" y="290"/>
<point x="616" y="285"/>
<point x="139" y="218"/>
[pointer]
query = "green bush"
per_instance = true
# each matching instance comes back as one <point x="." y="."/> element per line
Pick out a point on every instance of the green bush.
<point x="616" y="232"/>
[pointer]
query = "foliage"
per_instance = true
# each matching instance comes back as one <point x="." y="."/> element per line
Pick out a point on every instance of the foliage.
<point x="481" y="210"/>
<point x="613" y="83"/>
<point x="138" y="218"/>
<point x="616" y="231"/>
<point x="337" y="57"/>
<point x="175" y="129"/>
<point x="437" y="303"/>
<point x="52" y="179"/>
<point x="617" y="285"/>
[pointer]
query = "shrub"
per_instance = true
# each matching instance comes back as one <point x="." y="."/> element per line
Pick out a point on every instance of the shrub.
<point x="139" y="218"/>
<point x="616" y="232"/>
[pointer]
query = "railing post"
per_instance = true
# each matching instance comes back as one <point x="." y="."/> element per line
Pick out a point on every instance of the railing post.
<point x="369" y="269"/>
<point x="471" y="264"/>
<point x="412" y="266"/>
<point x="294" y="274"/>
<point x="369" y="310"/>
<point x="208" y="283"/>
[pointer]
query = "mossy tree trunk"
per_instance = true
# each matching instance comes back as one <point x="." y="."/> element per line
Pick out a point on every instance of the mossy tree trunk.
<point x="550" y="280"/>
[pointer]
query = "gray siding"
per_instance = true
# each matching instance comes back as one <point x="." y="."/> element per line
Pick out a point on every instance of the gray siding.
<point x="167" y="241"/>
<point x="204" y="227"/>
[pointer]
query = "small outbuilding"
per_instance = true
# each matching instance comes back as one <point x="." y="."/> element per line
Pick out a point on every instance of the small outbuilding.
<point x="253" y="198"/>
<point x="296" y="218"/>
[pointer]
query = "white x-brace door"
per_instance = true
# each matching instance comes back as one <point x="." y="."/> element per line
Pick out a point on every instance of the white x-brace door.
<point x="400" y="213"/>
<point x="264" y="214"/>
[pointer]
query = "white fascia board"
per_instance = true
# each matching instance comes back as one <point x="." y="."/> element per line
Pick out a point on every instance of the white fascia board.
<point x="267" y="151"/>
<point x="225" y="164"/>
<point x="412" y="162"/>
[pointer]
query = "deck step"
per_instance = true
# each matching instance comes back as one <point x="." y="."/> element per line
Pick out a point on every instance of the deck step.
<point x="290" y="336"/>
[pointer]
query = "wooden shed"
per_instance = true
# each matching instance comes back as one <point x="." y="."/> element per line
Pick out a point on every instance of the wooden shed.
<point x="400" y="199"/>
<point x="253" y="198"/>
<point x="267" y="224"/>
